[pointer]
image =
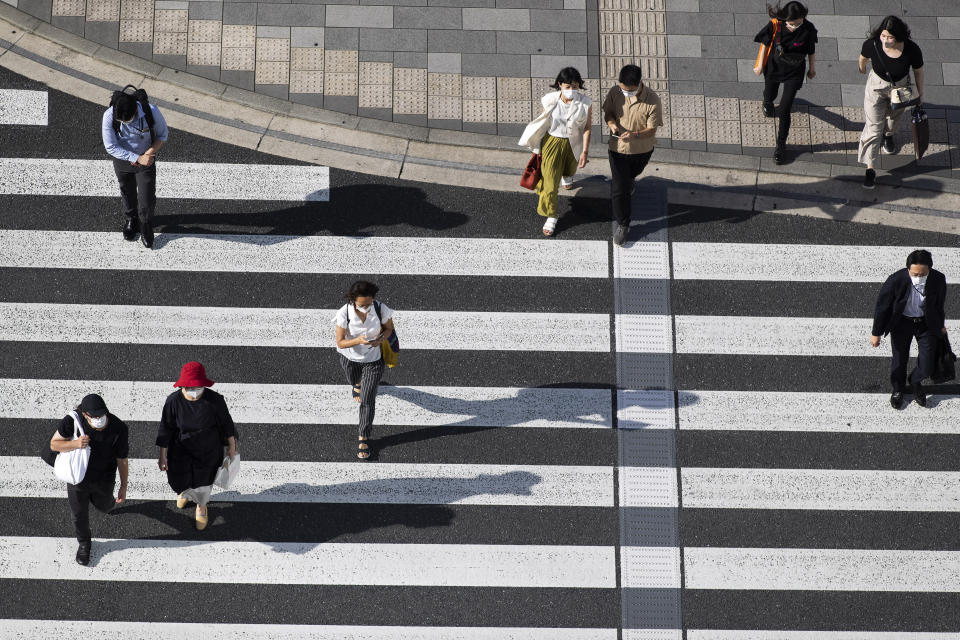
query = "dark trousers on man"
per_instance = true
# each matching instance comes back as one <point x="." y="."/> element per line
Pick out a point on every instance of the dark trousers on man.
<point x="624" y="168"/>
<point x="81" y="496"/>
<point x="790" y="88"/>
<point x="138" y="188"/>
<point x="901" y="336"/>
<point x="367" y="375"/>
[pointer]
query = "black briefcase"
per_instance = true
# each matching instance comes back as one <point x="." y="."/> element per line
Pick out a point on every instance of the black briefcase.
<point x="945" y="368"/>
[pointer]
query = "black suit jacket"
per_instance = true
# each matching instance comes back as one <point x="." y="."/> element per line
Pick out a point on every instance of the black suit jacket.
<point x="893" y="298"/>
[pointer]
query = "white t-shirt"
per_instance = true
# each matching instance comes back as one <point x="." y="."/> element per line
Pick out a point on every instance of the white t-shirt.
<point x="348" y="318"/>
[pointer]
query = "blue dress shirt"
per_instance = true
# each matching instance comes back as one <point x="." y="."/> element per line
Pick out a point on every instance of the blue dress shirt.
<point x="134" y="138"/>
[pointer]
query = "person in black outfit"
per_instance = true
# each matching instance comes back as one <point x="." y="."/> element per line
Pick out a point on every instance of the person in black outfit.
<point x="795" y="42"/>
<point x="194" y="428"/>
<point x="911" y="305"/>
<point x="106" y="435"/>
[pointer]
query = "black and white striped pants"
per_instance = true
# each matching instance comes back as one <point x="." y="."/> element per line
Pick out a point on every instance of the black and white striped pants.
<point x="368" y="375"/>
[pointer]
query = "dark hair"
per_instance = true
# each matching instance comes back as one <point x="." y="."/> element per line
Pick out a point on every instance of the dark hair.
<point x="920" y="256"/>
<point x="897" y="28"/>
<point x="125" y="108"/>
<point x="631" y="75"/>
<point x="791" y="11"/>
<point x="568" y="75"/>
<point x="361" y="289"/>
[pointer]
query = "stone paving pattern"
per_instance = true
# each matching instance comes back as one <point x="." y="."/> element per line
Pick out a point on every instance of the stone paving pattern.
<point x="481" y="65"/>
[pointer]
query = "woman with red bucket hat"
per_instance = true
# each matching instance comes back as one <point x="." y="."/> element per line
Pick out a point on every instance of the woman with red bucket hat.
<point x="194" y="428"/>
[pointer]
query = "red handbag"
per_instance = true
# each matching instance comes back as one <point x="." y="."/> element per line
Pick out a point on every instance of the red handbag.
<point x="531" y="173"/>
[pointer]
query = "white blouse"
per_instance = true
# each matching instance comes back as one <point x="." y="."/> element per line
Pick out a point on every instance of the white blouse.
<point x="348" y="319"/>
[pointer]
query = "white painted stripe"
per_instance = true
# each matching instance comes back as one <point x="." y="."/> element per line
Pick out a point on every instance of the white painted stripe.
<point x="307" y="254"/>
<point x="821" y="569"/>
<point x="304" y="328"/>
<point x="799" y="262"/>
<point x="650" y="567"/>
<point x="647" y="487"/>
<point x="20" y="106"/>
<point x="745" y="335"/>
<point x="435" y="565"/>
<point x="724" y="634"/>
<point x="823" y="489"/>
<point x="346" y="482"/>
<point x="46" y="629"/>
<point x="822" y="412"/>
<point x="644" y="333"/>
<point x="326" y="404"/>
<point x="203" y="181"/>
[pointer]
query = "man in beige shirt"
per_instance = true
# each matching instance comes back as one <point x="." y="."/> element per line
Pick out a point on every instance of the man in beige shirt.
<point x="633" y="113"/>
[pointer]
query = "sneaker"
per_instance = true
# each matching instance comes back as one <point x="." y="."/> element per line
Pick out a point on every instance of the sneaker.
<point x="620" y="235"/>
<point x="768" y="109"/>
<point x="888" y="147"/>
<point x="146" y="235"/>
<point x="130" y="229"/>
<point x="869" y="179"/>
<point x="779" y="154"/>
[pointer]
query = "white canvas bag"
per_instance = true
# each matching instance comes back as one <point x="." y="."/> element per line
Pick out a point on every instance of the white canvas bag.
<point x="228" y="472"/>
<point x="71" y="466"/>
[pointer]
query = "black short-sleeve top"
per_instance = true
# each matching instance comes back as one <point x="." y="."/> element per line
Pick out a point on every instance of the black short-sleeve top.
<point x="800" y="42"/>
<point x="200" y="425"/>
<point x="892" y="69"/>
<point x="107" y="445"/>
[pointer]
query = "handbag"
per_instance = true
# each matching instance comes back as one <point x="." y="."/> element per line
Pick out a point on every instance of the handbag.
<point x="921" y="131"/>
<point x="762" y="56"/>
<point x="532" y="173"/>
<point x="227" y="473"/>
<point x="900" y="97"/>
<point x="944" y="368"/>
<point x="389" y="348"/>
<point x="71" y="466"/>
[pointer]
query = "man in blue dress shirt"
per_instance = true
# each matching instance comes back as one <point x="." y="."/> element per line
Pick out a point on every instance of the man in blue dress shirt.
<point x="134" y="149"/>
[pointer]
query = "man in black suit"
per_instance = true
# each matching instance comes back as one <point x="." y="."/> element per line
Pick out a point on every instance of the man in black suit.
<point x="910" y="305"/>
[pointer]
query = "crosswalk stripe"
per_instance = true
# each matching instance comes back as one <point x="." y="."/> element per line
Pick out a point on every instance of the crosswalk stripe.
<point x="45" y="629"/>
<point x="799" y="262"/>
<point x="821" y="569"/>
<point x="439" y="565"/>
<point x="195" y="180"/>
<point x="23" y="107"/>
<point x="307" y="254"/>
<point x="326" y="404"/>
<point x="742" y="335"/>
<point x="754" y="634"/>
<point x="347" y="482"/>
<point x="823" y="489"/>
<point x="303" y="328"/>
<point x="821" y="412"/>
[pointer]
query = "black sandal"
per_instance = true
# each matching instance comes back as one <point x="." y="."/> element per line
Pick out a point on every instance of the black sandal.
<point x="355" y="391"/>
<point x="363" y="454"/>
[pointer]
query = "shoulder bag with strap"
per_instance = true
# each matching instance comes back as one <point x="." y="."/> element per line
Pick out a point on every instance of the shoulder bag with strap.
<point x="900" y="97"/>
<point x="389" y="348"/>
<point x="763" y="56"/>
<point x="71" y="466"/>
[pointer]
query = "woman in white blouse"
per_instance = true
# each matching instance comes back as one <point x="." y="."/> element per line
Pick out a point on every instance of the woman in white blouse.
<point x="362" y="325"/>
<point x="561" y="134"/>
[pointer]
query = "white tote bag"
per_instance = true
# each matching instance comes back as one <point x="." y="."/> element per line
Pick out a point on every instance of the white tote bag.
<point x="228" y="472"/>
<point x="71" y="466"/>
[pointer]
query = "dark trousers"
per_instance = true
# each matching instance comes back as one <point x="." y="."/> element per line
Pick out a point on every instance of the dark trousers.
<point x="901" y="336"/>
<point x="624" y="168"/>
<point x="367" y="375"/>
<point x="138" y="188"/>
<point x="790" y="88"/>
<point x="80" y="496"/>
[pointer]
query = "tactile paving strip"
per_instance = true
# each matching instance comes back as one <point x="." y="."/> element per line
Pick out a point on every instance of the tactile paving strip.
<point x="647" y="409"/>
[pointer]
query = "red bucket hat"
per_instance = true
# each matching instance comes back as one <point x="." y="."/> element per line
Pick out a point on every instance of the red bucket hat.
<point x="193" y="374"/>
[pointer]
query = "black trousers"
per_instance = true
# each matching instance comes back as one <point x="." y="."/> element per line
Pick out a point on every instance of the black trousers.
<point x="790" y="88"/>
<point x="80" y="496"/>
<point x="901" y="336"/>
<point x="138" y="188"/>
<point x="624" y="168"/>
<point x="367" y="375"/>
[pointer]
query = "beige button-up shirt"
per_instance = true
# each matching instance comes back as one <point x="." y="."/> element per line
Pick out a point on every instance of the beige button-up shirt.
<point x="645" y="113"/>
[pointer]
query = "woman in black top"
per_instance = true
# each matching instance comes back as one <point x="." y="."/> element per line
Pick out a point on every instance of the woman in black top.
<point x="795" y="42"/>
<point x="194" y="428"/>
<point x="106" y="435"/>
<point x="892" y="54"/>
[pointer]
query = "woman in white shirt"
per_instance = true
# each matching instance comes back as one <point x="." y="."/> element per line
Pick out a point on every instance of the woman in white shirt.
<point x="565" y="120"/>
<point x="362" y="324"/>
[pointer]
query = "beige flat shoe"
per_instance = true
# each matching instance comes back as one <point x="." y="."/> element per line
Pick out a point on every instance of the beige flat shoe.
<point x="181" y="501"/>
<point x="201" y="521"/>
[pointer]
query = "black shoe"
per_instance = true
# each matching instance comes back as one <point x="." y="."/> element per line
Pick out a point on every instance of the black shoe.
<point x="146" y="235"/>
<point x="620" y="235"/>
<point x="768" y="109"/>
<point x="896" y="399"/>
<point x="779" y="154"/>
<point x="888" y="147"/>
<point x="869" y="179"/>
<point x="83" y="553"/>
<point x="130" y="229"/>
<point x="919" y="394"/>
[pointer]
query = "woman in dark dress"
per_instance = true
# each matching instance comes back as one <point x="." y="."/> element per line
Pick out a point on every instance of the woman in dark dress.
<point x="194" y="428"/>
<point x="793" y="45"/>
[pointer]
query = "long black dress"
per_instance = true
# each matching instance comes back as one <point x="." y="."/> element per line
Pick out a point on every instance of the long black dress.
<point x="194" y="433"/>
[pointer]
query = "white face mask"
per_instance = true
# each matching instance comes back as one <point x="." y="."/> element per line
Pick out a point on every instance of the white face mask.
<point x="98" y="423"/>
<point x="363" y="310"/>
<point x="570" y="94"/>
<point x="918" y="281"/>
<point x="629" y="94"/>
<point x="193" y="392"/>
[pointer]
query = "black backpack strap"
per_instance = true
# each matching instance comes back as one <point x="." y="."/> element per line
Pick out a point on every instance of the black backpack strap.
<point x="376" y="307"/>
<point x="141" y="96"/>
